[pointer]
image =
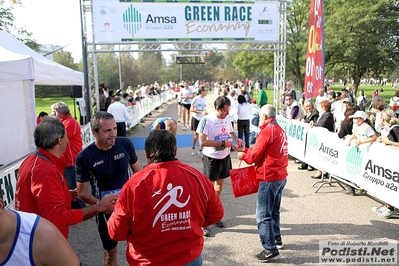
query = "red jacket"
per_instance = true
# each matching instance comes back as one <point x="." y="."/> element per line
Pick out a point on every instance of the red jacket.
<point x="161" y="211"/>
<point x="270" y="153"/>
<point x="74" y="139"/>
<point x="42" y="189"/>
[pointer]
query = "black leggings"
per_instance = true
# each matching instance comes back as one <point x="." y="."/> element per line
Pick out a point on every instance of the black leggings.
<point x="243" y="128"/>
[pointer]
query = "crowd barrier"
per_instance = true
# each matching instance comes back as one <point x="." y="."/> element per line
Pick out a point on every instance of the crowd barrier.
<point x="9" y="172"/>
<point x="371" y="167"/>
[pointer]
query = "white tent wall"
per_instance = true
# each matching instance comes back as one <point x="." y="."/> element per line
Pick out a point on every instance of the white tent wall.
<point x="17" y="120"/>
<point x="21" y="68"/>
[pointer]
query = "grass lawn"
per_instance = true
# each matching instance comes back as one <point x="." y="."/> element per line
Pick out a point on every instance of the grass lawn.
<point x="44" y="104"/>
<point x="388" y="91"/>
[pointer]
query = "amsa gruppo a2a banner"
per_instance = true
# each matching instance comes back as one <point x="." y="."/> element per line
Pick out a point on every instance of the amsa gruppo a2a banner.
<point x="118" y="21"/>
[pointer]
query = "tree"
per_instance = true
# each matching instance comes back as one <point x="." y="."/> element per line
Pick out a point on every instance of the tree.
<point x="297" y="40"/>
<point x="364" y="35"/>
<point x="253" y="64"/>
<point x="7" y="24"/>
<point x="65" y="59"/>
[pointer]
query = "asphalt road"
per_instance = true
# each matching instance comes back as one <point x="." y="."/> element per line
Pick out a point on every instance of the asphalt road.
<point x="306" y="218"/>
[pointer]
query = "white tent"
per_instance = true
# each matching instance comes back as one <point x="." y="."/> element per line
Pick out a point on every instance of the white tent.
<point x="20" y="69"/>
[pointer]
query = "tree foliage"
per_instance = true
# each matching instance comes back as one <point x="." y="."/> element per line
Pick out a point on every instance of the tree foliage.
<point x="364" y="35"/>
<point x="7" y="24"/>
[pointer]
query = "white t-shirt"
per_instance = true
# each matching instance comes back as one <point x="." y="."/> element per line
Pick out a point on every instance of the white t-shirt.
<point x="233" y="108"/>
<point x="216" y="129"/>
<point x="244" y="111"/>
<point x="199" y="104"/>
<point x="186" y="92"/>
<point x="364" y="131"/>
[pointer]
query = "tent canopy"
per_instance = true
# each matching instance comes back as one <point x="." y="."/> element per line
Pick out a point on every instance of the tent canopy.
<point x="21" y="68"/>
<point x="19" y="62"/>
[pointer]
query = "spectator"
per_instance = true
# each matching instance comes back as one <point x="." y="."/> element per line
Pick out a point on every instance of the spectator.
<point x="375" y="93"/>
<point x="289" y="90"/>
<point x="262" y="97"/>
<point x="244" y="115"/>
<point x="61" y="111"/>
<point x="27" y="239"/>
<point x="270" y="155"/>
<point x="320" y="97"/>
<point x="390" y="129"/>
<point x="105" y="164"/>
<point x="292" y="109"/>
<point x="246" y="95"/>
<point x="164" y="187"/>
<point x="82" y="110"/>
<point x="363" y="132"/>
<point x="394" y="103"/>
<point x="311" y="115"/>
<point x="255" y="113"/>
<point x="40" y="117"/>
<point x="102" y="99"/>
<point x="41" y="185"/>
<point x="389" y="136"/>
<point x="362" y="101"/>
<point x="377" y="105"/>
<point x="198" y="110"/>
<point x="325" y="120"/>
<point x="109" y="100"/>
<point x="216" y="136"/>
<point x="166" y="123"/>
<point x="119" y="111"/>
<point x="233" y="106"/>
<point x="347" y="124"/>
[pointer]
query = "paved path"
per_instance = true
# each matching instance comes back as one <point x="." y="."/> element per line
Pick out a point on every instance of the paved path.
<point x="306" y="218"/>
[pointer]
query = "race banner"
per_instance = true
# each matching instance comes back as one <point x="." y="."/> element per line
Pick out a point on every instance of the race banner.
<point x="372" y="167"/>
<point x="314" y="73"/>
<point x="296" y="136"/>
<point x="183" y="20"/>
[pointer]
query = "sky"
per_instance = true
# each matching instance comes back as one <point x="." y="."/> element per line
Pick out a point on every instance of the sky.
<point x="54" y="22"/>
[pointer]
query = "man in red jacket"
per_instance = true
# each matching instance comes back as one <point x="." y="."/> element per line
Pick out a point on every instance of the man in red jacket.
<point x="61" y="111"/>
<point x="270" y="155"/>
<point x="161" y="209"/>
<point x="41" y="187"/>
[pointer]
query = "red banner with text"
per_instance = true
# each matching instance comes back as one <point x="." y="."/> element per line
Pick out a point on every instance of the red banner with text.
<point x="314" y="74"/>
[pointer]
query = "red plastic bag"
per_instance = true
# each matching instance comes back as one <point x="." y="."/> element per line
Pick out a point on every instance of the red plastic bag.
<point x="243" y="181"/>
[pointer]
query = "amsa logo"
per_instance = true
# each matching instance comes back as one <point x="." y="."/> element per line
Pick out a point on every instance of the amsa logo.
<point x="329" y="151"/>
<point x="160" y="19"/>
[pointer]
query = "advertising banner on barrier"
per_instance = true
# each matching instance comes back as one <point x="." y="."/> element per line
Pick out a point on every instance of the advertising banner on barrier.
<point x="132" y="20"/>
<point x="296" y="134"/>
<point x="372" y="167"/>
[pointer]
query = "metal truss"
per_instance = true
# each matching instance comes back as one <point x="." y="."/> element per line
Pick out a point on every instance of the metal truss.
<point x="279" y="48"/>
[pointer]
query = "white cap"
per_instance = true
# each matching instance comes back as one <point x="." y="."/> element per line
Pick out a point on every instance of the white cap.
<point x="359" y="114"/>
<point x="346" y="100"/>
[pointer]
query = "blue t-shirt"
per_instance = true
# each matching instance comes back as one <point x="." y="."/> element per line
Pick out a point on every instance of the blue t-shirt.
<point x="107" y="171"/>
<point x="161" y="122"/>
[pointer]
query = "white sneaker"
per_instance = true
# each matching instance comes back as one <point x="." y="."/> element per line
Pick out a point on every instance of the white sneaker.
<point x="184" y="128"/>
<point x="380" y="209"/>
<point x="389" y="214"/>
<point x="192" y="152"/>
<point x="201" y="154"/>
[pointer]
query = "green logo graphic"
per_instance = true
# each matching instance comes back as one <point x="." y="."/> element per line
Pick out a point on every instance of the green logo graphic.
<point x="313" y="141"/>
<point x="132" y="20"/>
<point x="353" y="161"/>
